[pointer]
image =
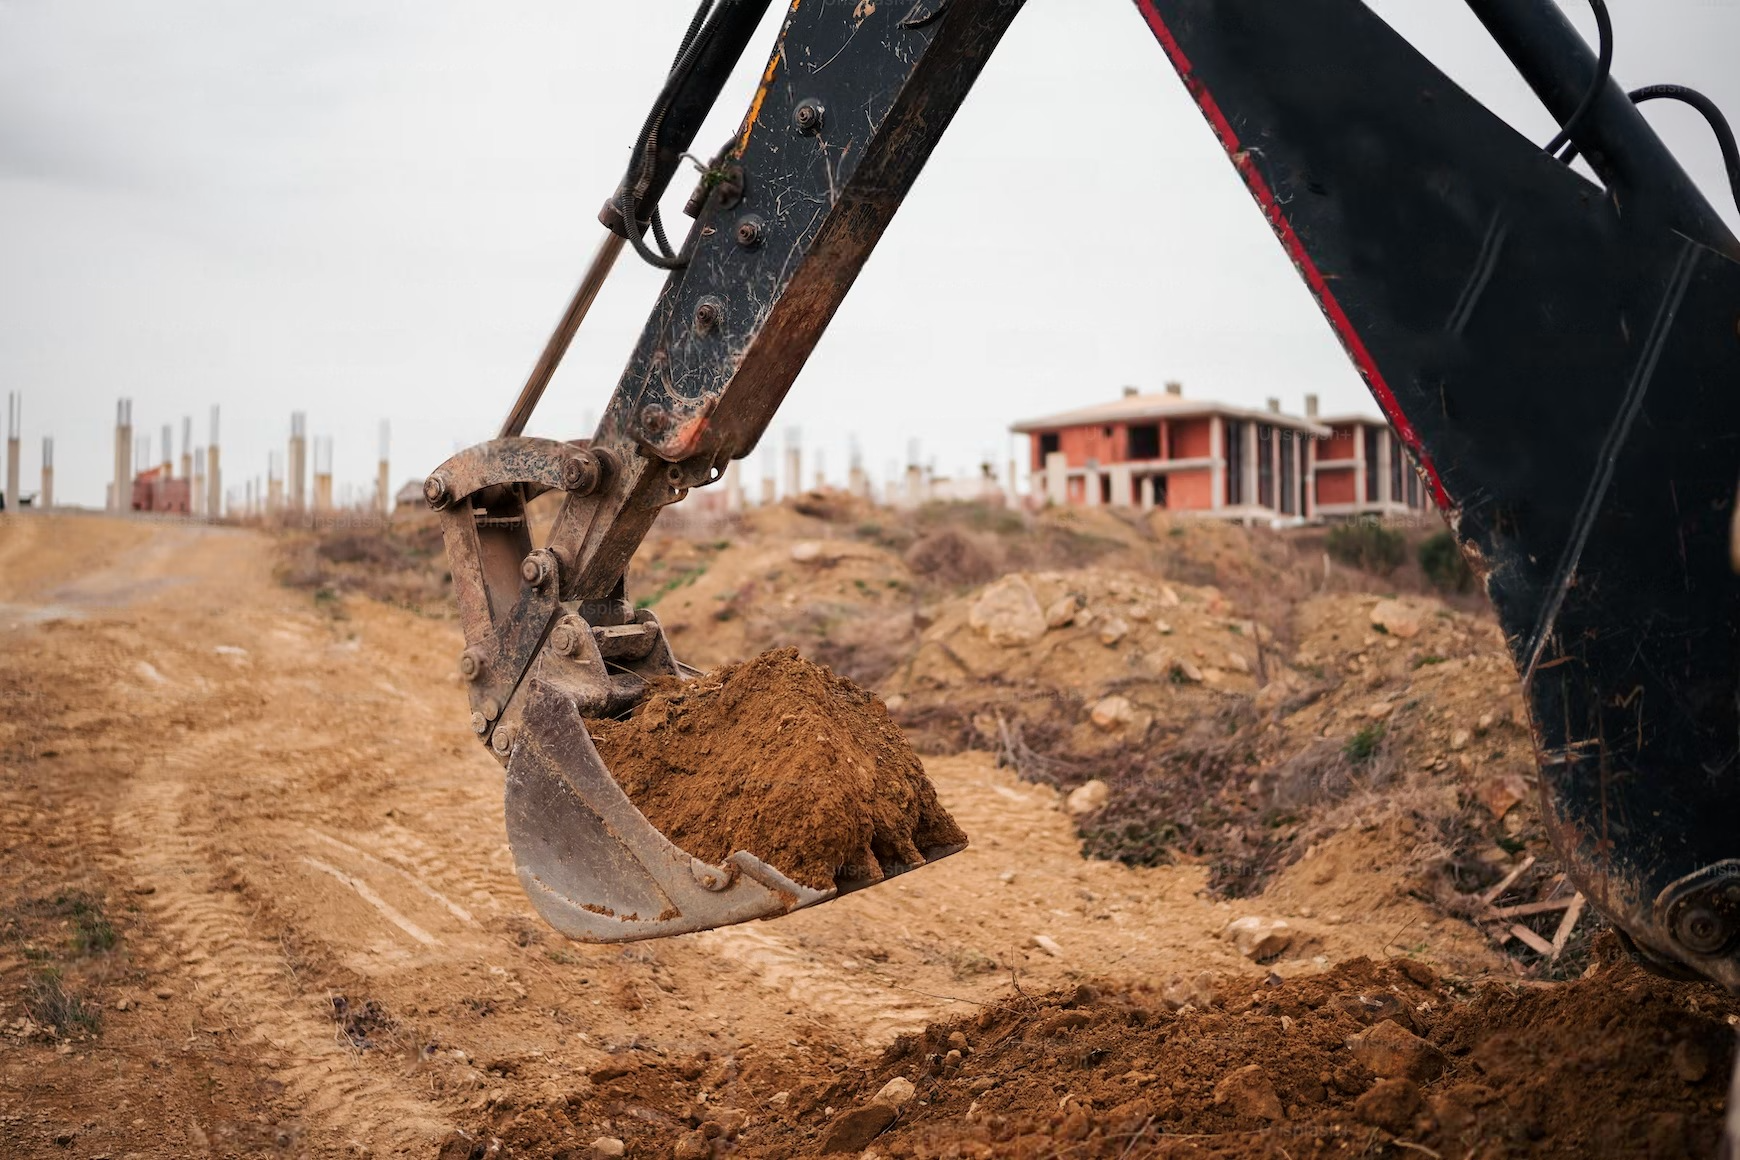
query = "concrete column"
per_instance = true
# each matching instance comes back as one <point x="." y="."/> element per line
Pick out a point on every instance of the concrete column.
<point x="1121" y="484"/>
<point x="214" y="506"/>
<point x="187" y="450"/>
<point x="794" y="471"/>
<point x="733" y="482"/>
<point x="1217" y="472"/>
<point x="14" y="468"/>
<point x="121" y="495"/>
<point x="196" y="494"/>
<point x="1147" y="486"/>
<point x="1385" y="439"/>
<point x="1090" y="484"/>
<point x="857" y="482"/>
<point x="769" y="491"/>
<point x="298" y="478"/>
<point x="1253" y="448"/>
<point x="1057" y="479"/>
<point x="915" y="488"/>
<point x="45" y="499"/>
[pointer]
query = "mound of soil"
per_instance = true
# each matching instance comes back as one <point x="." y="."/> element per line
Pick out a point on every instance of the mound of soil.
<point x="1619" y="1064"/>
<point x="783" y="758"/>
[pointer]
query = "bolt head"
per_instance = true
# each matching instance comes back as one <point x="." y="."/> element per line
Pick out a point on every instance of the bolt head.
<point x="708" y="316"/>
<point x="564" y="639"/>
<point x="503" y="741"/>
<point x="435" y="492"/>
<point x="491" y="709"/>
<point x="807" y="117"/>
<point x="479" y="724"/>
<point x="536" y="569"/>
<point x="581" y="473"/>
<point x="750" y="231"/>
<point x="1701" y="930"/>
<point x="469" y="666"/>
<point x="655" y="418"/>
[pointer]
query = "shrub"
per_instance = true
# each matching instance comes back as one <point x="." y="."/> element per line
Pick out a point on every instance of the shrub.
<point x="1443" y="563"/>
<point x="1368" y="546"/>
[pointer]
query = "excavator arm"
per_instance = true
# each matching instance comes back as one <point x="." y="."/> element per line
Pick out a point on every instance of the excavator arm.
<point x="1558" y="354"/>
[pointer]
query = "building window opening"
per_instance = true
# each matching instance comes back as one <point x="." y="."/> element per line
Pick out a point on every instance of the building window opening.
<point x="1265" y="465"/>
<point x="1105" y="489"/>
<point x="1235" y="461"/>
<point x="1396" y="466"/>
<point x="1145" y="441"/>
<point x="1371" y="464"/>
<point x="1289" y="474"/>
<point x="1047" y="444"/>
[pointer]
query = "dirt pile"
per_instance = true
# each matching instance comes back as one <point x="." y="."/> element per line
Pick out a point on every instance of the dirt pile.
<point x="1620" y="1064"/>
<point x="782" y="758"/>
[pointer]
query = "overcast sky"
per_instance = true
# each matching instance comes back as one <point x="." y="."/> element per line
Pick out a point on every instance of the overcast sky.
<point x="374" y="211"/>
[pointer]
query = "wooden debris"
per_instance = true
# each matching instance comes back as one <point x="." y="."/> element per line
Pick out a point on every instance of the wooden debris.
<point x="1528" y="908"/>
<point x="1509" y="880"/>
<point x="1567" y="925"/>
<point x="1531" y="940"/>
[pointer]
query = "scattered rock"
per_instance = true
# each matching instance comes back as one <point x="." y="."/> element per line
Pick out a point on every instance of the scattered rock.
<point x="1391" y="1104"/>
<point x="1459" y="739"/>
<point x="1249" y="1092"/>
<point x="1088" y="797"/>
<point x="1048" y="944"/>
<point x="1380" y="709"/>
<point x="1195" y="992"/>
<point x="895" y="1093"/>
<point x="1112" y="630"/>
<point x="1168" y="597"/>
<point x="1187" y="671"/>
<point x="1008" y="613"/>
<point x="1062" y="611"/>
<point x="1396" y="618"/>
<point x="779" y="1099"/>
<point x="607" y="1148"/>
<point x="1113" y="712"/>
<point x="694" y="1146"/>
<point x="1391" y="1051"/>
<point x="1691" y="1062"/>
<point x="1259" y="939"/>
<point x="807" y="552"/>
<point x="1237" y="663"/>
<point x="853" y="1130"/>
<point x="1500" y="794"/>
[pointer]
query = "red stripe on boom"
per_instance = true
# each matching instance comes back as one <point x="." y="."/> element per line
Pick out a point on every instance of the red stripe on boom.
<point x="1295" y="248"/>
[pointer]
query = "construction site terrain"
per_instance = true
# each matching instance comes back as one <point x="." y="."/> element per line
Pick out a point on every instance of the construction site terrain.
<point x="1256" y="868"/>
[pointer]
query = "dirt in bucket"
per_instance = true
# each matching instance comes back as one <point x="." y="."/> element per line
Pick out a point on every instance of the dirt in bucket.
<point x="785" y="759"/>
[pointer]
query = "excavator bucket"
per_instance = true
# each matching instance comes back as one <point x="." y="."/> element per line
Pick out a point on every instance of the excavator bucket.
<point x="539" y="666"/>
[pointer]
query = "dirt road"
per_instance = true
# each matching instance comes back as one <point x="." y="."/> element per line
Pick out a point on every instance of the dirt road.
<point x="315" y="943"/>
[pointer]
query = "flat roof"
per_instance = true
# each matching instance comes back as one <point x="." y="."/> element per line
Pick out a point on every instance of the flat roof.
<point x="1163" y="406"/>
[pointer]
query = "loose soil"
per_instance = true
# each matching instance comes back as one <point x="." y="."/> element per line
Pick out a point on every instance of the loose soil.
<point x="784" y="759"/>
<point x="255" y="898"/>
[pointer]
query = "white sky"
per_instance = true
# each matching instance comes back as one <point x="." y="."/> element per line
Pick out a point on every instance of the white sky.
<point x="375" y="211"/>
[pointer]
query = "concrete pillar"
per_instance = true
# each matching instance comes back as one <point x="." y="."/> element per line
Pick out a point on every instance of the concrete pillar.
<point x="214" y="507"/>
<point x="298" y="479"/>
<point x="1121" y="484"/>
<point x="915" y="487"/>
<point x="857" y="482"/>
<point x="323" y="474"/>
<point x="121" y="494"/>
<point x="196" y="502"/>
<point x="733" y="482"/>
<point x="769" y="491"/>
<point x="1217" y="472"/>
<point x="14" y="468"/>
<point x="1090" y="484"/>
<point x="1057" y="479"/>
<point x="187" y="450"/>
<point x="1147" y="486"/>
<point x="1385" y="442"/>
<point x="45" y="499"/>
<point x="168" y="464"/>
<point x="1253" y="448"/>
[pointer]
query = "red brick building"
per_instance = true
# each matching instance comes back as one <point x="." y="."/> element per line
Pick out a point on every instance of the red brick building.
<point x="1165" y="451"/>
<point x="155" y="490"/>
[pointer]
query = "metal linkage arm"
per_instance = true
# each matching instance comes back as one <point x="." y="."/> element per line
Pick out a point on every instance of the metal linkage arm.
<point x="853" y="100"/>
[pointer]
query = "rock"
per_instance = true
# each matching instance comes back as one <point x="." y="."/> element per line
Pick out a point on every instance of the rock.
<point x="1378" y="710"/>
<point x="693" y="1146"/>
<point x="779" y="1099"/>
<point x="1391" y="1051"/>
<point x="1259" y="939"/>
<point x="1484" y="723"/>
<point x="1113" y="712"/>
<point x="1184" y="670"/>
<point x="807" y="552"/>
<point x="1088" y="797"/>
<point x="1168" y="598"/>
<point x="1249" y="1092"/>
<point x="1195" y="992"/>
<point x="1008" y="613"/>
<point x="957" y="1041"/>
<point x="1501" y="793"/>
<point x="895" y="703"/>
<point x="1140" y="612"/>
<point x="1391" y="1104"/>
<point x="1048" y="944"/>
<point x="1396" y="618"/>
<point x="1164" y="628"/>
<point x="1062" y="611"/>
<point x="895" y="1093"/>
<point x="1112" y="630"/>
<point x="1459" y="739"/>
<point x="607" y="1148"/>
<point x="1691" y="1062"/>
<point x="853" y="1130"/>
<point x="1237" y="663"/>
